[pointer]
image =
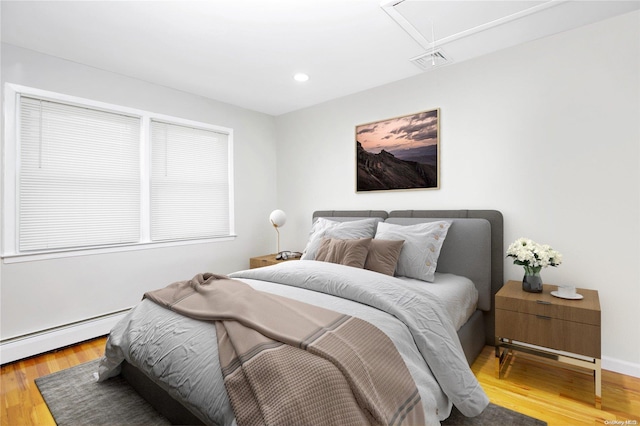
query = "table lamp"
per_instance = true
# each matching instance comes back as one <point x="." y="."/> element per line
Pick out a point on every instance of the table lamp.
<point x="278" y="219"/>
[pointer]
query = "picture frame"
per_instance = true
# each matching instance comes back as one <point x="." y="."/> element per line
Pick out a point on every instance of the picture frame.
<point x="399" y="153"/>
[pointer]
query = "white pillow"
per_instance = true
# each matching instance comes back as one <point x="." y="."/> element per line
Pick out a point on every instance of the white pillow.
<point x="422" y="243"/>
<point x="325" y="228"/>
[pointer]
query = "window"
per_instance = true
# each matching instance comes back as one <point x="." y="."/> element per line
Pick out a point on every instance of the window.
<point x="189" y="182"/>
<point x="81" y="175"/>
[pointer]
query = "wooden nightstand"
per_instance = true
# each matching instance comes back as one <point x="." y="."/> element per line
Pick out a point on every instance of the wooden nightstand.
<point x="269" y="259"/>
<point x="548" y="322"/>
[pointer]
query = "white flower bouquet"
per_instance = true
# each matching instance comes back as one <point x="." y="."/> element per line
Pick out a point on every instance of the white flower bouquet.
<point x="533" y="256"/>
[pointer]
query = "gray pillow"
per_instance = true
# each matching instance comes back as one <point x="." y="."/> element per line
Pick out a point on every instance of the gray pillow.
<point x="324" y="228"/>
<point x="422" y="243"/>
<point x="344" y="252"/>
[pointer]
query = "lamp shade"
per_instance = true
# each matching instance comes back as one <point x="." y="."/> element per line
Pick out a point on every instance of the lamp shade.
<point x="278" y="218"/>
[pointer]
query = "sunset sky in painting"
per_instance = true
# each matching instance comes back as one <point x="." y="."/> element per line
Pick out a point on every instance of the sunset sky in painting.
<point x="408" y="132"/>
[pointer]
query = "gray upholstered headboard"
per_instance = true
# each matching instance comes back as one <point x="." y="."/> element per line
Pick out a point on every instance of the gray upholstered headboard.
<point x="466" y="239"/>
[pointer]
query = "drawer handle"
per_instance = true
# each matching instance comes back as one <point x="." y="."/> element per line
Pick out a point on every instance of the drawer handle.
<point x="543" y="302"/>
<point x="544" y="317"/>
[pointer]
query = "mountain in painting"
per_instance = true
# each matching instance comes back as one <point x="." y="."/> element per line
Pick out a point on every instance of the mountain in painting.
<point x="424" y="155"/>
<point x="384" y="171"/>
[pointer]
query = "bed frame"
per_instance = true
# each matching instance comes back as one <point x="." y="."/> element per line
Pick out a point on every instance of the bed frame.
<point x="475" y="235"/>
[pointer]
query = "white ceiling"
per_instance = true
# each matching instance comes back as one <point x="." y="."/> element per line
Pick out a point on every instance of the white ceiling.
<point x="245" y="52"/>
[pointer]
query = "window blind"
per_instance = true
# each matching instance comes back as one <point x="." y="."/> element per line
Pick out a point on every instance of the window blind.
<point x="79" y="176"/>
<point x="190" y="185"/>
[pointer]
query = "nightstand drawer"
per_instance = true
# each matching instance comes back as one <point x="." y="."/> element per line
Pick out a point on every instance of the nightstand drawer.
<point x="542" y="330"/>
<point x="586" y="311"/>
<point x="259" y="262"/>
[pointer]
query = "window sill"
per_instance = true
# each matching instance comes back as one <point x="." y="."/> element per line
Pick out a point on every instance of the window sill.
<point x="45" y="255"/>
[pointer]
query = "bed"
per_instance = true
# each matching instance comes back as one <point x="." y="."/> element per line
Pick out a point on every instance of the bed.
<point x="172" y="360"/>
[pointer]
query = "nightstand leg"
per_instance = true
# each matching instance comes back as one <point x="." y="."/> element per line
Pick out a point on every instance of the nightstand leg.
<point x="502" y="356"/>
<point x="597" y="374"/>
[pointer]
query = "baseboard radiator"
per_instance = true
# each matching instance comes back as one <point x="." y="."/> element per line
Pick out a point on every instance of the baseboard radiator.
<point x="31" y="344"/>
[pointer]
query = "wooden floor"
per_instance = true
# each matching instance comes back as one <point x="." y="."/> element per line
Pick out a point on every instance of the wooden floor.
<point x="21" y="401"/>
<point x="548" y="391"/>
<point x="531" y="386"/>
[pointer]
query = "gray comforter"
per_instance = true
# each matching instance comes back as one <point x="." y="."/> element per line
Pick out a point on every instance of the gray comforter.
<point x="179" y="353"/>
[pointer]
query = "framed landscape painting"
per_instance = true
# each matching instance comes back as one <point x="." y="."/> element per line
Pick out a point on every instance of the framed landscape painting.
<point x="399" y="153"/>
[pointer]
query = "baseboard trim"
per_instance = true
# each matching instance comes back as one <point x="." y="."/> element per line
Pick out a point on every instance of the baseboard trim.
<point x="37" y="343"/>
<point x="619" y="366"/>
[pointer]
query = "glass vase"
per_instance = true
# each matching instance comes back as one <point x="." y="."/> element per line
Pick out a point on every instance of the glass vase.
<point x="532" y="282"/>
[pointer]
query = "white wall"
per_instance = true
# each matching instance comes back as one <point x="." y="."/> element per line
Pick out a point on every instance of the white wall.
<point x="41" y="294"/>
<point x="547" y="132"/>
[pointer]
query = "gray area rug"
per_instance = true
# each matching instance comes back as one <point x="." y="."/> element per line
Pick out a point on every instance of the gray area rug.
<point x="75" y="398"/>
<point x="492" y="415"/>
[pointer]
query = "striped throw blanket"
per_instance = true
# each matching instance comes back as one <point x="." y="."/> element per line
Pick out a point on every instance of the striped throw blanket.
<point x="288" y="362"/>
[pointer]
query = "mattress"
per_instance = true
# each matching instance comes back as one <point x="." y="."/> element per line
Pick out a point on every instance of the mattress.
<point x="458" y="295"/>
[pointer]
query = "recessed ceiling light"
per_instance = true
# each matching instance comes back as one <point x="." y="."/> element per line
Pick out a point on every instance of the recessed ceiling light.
<point x="301" y="77"/>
